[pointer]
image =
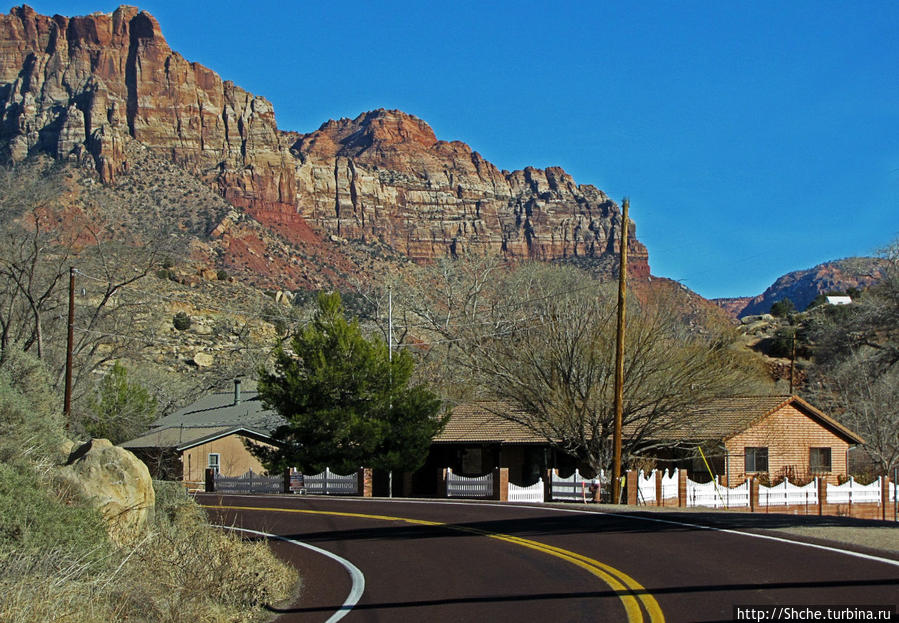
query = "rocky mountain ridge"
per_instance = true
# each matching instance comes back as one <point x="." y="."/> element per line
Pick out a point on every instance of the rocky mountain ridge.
<point x="82" y="88"/>
<point x="802" y="286"/>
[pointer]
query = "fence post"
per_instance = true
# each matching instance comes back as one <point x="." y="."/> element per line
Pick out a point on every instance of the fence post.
<point x="822" y="494"/>
<point x="682" y="487"/>
<point x="632" y="486"/>
<point x="210" y="480"/>
<point x="548" y="485"/>
<point x="753" y="493"/>
<point x="501" y="484"/>
<point x="442" y="491"/>
<point x="363" y="482"/>
<point x="884" y="496"/>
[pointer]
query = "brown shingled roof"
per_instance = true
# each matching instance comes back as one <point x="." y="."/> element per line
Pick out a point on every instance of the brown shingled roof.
<point x="478" y="422"/>
<point x="725" y="417"/>
<point x="714" y="420"/>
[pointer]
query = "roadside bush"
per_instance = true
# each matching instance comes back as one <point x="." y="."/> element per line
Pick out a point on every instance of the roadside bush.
<point x="181" y="321"/>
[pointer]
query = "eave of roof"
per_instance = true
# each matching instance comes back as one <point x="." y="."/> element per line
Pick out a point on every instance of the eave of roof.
<point x="181" y="438"/>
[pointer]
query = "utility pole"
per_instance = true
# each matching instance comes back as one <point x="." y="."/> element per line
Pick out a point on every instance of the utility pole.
<point x="70" y="345"/>
<point x="619" y="358"/>
<point x="390" y="359"/>
<point x="792" y="359"/>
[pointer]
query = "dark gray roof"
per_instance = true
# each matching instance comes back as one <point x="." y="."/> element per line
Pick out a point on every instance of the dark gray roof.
<point x="184" y="437"/>
<point x="218" y="409"/>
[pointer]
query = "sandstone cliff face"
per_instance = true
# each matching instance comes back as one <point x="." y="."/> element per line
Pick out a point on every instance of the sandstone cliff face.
<point x="385" y="176"/>
<point x="84" y="87"/>
<point x="80" y="87"/>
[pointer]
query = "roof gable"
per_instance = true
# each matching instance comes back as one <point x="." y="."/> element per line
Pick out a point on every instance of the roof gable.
<point x="182" y="438"/>
<point x="723" y="418"/>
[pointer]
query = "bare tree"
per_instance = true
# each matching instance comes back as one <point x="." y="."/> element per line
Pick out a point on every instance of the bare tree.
<point x="40" y="239"/>
<point x="857" y="363"/>
<point x="541" y="339"/>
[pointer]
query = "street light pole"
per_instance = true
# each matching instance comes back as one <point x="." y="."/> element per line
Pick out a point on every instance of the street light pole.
<point x="619" y="358"/>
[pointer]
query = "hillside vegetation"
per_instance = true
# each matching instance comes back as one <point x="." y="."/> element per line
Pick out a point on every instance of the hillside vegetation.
<point x="58" y="561"/>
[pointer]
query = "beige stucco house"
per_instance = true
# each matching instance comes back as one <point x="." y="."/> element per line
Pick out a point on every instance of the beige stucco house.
<point x="213" y="432"/>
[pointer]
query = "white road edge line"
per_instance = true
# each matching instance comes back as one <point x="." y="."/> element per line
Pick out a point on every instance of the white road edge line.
<point x="888" y="561"/>
<point x="356" y="576"/>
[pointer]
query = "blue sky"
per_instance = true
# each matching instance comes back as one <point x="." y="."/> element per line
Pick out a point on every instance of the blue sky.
<point x="753" y="138"/>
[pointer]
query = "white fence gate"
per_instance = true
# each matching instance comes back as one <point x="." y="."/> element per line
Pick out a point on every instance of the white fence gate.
<point x="574" y="488"/>
<point x="465" y="487"/>
<point x="854" y="493"/>
<point x="329" y="483"/>
<point x="534" y="493"/>
<point x="249" y="483"/>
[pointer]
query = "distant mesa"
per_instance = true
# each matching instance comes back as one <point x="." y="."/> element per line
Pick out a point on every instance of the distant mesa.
<point x="82" y="88"/>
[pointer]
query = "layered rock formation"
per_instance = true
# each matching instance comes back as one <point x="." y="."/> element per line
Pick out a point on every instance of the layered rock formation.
<point x="384" y="175"/>
<point x="84" y="87"/>
<point x="80" y="87"/>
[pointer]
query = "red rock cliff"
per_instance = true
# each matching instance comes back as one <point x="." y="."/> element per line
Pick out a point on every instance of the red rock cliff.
<point x="81" y="87"/>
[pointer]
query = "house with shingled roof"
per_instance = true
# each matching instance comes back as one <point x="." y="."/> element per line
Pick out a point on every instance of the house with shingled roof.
<point x="774" y="436"/>
<point x="212" y="432"/>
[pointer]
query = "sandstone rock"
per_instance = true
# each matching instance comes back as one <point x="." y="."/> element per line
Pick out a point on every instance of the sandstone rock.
<point x="117" y="482"/>
<point x="201" y="329"/>
<point x="203" y="360"/>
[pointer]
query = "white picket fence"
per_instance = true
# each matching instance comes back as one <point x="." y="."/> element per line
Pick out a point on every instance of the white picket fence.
<point x="574" y="488"/>
<point x="249" y="483"/>
<point x="533" y="493"/>
<point x="468" y="487"/>
<point x="716" y="495"/>
<point x="783" y="494"/>
<point x="329" y="483"/>
<point x="850" y="492"/>
<point x="669" y="484"/>
<point x="646" y="487"/>
<point x="788" y="494"/>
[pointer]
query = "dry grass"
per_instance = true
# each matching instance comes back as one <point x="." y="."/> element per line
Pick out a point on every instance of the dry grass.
<point x="181" y="570"/>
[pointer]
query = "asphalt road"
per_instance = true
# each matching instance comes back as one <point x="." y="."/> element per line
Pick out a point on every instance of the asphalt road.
<point x="472" y="561"/>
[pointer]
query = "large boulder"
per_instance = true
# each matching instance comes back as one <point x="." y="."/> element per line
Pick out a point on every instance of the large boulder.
<point x="117" y="482"/>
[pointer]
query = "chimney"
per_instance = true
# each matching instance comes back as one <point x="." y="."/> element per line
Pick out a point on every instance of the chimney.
<point x="237" y="391"/>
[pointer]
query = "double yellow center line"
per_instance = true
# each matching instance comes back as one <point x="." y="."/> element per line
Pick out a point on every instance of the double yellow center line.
<point x="633" y="596"/>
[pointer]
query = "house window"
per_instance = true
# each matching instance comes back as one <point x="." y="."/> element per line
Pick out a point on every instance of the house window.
<point x="756" y="459"/>
<point x="819" y="460"/>
<point x="214" y="462"/>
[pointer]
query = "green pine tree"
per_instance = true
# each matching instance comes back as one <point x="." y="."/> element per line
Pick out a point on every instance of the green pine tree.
<point x="346" y="403"/>
<point x="120" y="409"/>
